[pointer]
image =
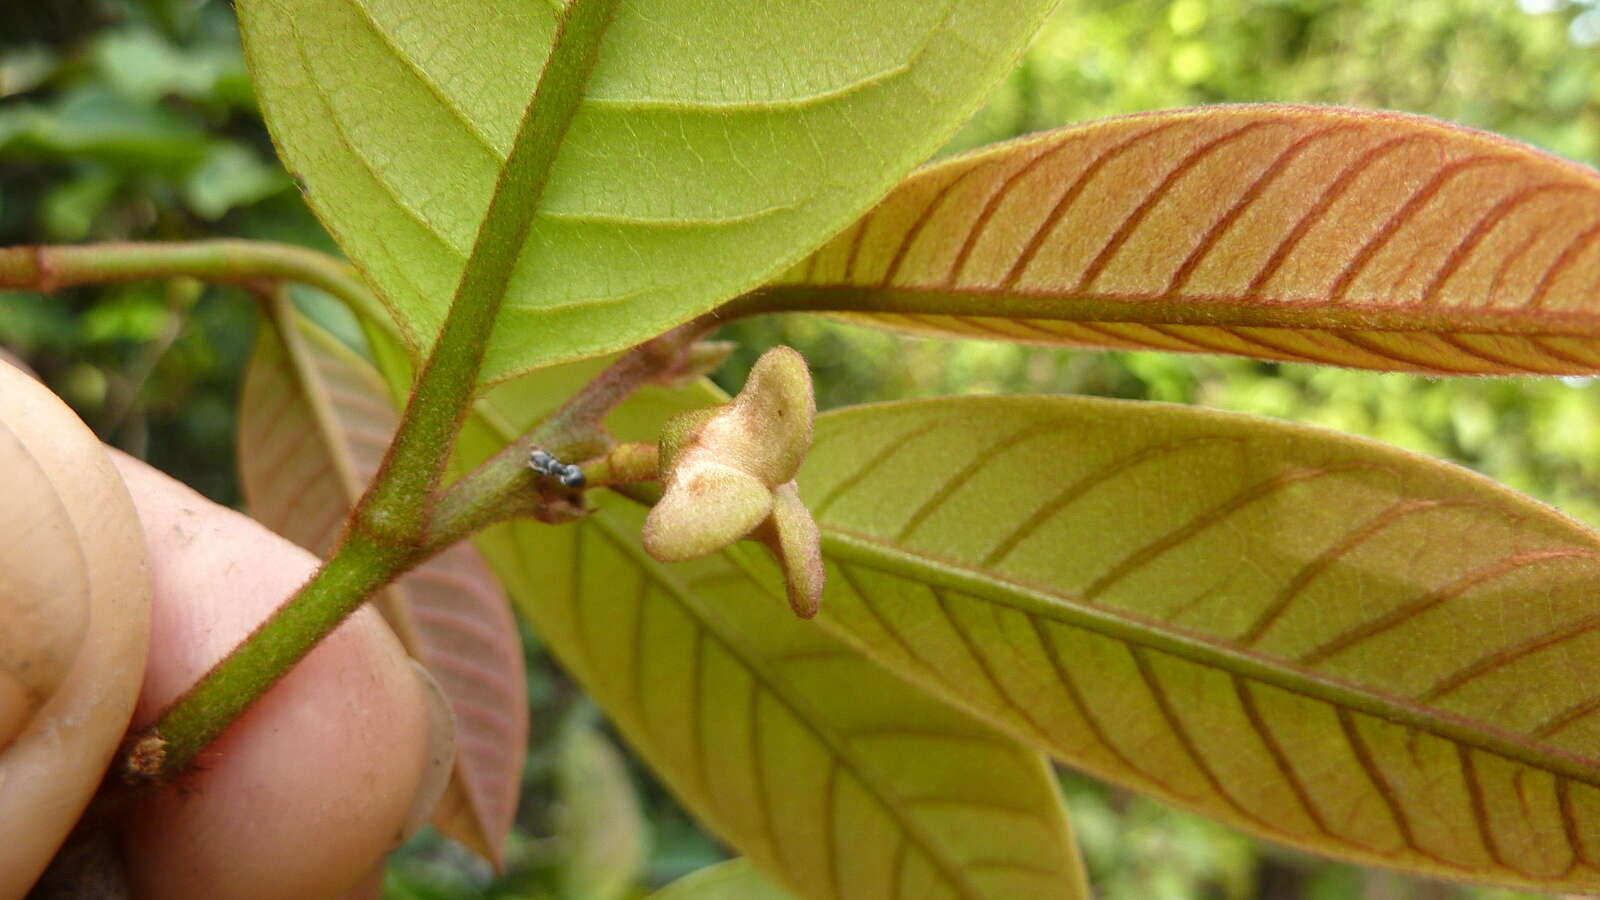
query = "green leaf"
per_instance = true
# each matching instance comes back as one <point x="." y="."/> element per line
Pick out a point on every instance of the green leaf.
<point x="1325" y="235"/>
<point x="1325" y="641"/>
<point x="32" y="322"/>
<point x="735" y="879"/>
<point x="713" y="145"/>
<point x="603" y="834"/>
<point x="831" y="773"/>
<point x="70" y="208"/>
<point x="231" y="176"/>
<point x="92" y="124"/>
<point x="142" y="65"/>
<point x="314" y="421"/>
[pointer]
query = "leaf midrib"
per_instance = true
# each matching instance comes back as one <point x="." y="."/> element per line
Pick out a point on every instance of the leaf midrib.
<point x="520" y="187"/>
<point x="1215" y="310"/>
<point x="883" y="556"/>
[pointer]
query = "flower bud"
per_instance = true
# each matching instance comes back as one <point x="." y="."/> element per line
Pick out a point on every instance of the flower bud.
<point x="708" y="507"/>
<point x="728" y="473"/>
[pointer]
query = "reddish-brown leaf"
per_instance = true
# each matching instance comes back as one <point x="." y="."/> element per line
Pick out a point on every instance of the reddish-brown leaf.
<point x="1373" y="240"/>
<point x="314" y="422"/>
<point x="1326" y="641"/>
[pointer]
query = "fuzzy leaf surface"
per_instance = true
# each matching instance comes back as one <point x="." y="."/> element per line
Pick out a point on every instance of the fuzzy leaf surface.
<point x="314" y="422"/>
<point x="1323" y="640"/>
<point x="832" y="774"/>
<point x="603" y="832"/>
<point x="1323" y="235"/>
<point x="838" y="778"/>
<point x="735" y="879"/>
<point x="713" y="146"/>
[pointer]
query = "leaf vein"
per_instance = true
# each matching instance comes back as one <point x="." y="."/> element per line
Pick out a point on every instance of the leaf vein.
<point x="1480" y="809"/>
<point x="1134" y="219"/>
<point x="1414" y="204"/>
<point x="1569" y="824"/>
<point x="1280" y="758"/>
<point x="1569" y="255"/>
<point x="1070" y="197"/>
<point x="832" y="741"/>
<point x="1481" y="230"/>
<point x="980" y="223"/>
<point x="1169" y="715"/>
<point x="1073" y="492"/>
<point x="1335" y="552"/>
<point x="982" y="662"/>
<point x="1566" y="717"/>
<point x="1379" y="781"/>
<point x="1477" y="577"/>
<point x="1258" y="491"/>
<point x="1336" y="189"/>
<point x="401" y="202"/>
<point x="871" y="465"/>
<point x="426" y="80"/>
<point x="1096" y="727"/>
<point x="909" y="238"/>
<point x="1259" y="186"/>
<point x="1507" y="655"/>
<point x="967" y="472"/>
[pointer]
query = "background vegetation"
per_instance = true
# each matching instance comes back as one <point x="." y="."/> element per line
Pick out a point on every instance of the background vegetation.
<point x="135" y="119"/>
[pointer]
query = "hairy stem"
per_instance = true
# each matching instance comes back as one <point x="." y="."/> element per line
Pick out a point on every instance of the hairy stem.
<point x="397" y="506"/>
<point x="241" y="262"/>
<point x="360" y="568"/>
<point x="504" y="486"/>
<point x="624" y="464"/>
<point x="385" y="537"/>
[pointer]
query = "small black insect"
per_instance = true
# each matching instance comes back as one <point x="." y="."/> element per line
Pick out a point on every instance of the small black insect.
<point x="567" y="474"/>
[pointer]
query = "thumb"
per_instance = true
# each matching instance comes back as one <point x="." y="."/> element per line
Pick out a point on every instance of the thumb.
<point x="317" y="780"/>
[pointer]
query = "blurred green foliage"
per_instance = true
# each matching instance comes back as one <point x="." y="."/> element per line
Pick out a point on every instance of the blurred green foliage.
<point x="124" y="120"/>
<point x="133" y="119"/>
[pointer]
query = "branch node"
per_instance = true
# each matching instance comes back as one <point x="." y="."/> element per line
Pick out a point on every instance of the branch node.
<point x="44" y="272"/>
<point x="146" y="759"/>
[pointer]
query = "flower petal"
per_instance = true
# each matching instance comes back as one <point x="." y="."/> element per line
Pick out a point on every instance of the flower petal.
<point x="793" y="537"/>
<point x="707" y="506"/>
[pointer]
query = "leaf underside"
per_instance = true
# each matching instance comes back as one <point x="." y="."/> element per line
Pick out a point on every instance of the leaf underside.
<point x="833" y="774"/>
<point x="603" y="832"/>
<point x="1322" y="640"/>
<point x="828" y="771"/>
<point x="714" y="144"/>
<point x="314" y="422"/>
<point x="735" y="879"/>
<point x="1322" y="235"/>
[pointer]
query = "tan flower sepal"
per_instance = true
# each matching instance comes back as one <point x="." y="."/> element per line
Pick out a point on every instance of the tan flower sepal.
<point x="792" y="536"/>
<point x="768" y="427"/>
<point x="707" y="508"/>
<point x="728" y="473"/>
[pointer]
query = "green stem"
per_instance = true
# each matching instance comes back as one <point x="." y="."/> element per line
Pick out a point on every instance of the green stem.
<point x="624" y="464"/>
<point x="359" y="569"/>
<point x="387" y="528"/>
<point x="246" y="263"/>
<point x="397" y="508"/>
<point x="504" y="486"/>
